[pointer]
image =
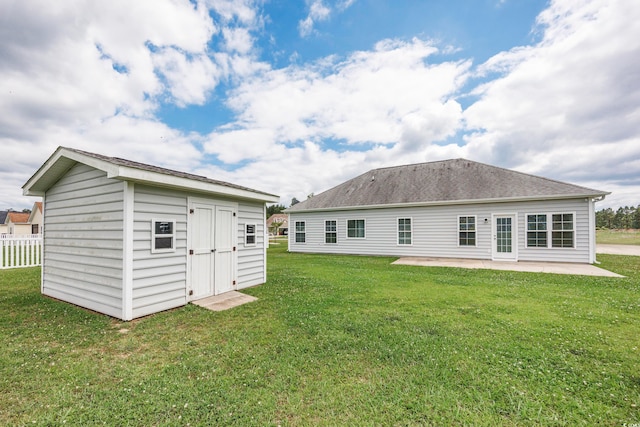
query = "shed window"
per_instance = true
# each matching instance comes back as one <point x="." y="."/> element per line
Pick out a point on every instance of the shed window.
<point x="163" y="236"/>
<point x="301" y="234"/>
<point x="330" y="231"/>
<point x="537" y="231"/>
<point x="404" y="231"/>
<point x="562" y="231"/>
<point x="250" y="234"/>
<point x="467" y="230"/>
<point x="355" y="228"/>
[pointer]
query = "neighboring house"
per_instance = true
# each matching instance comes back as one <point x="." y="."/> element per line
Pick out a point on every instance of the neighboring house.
<point x="453" y="208"/>
<point x="129" y="239"/>
<point x="36" y="218"/>
<point x="18" y="223"/>
<point x="282" y="219"/>
<point x="4" y="229"/>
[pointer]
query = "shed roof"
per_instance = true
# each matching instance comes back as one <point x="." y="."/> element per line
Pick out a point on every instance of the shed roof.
<point x="442" y="182"/>
<point x="65" y="158"/>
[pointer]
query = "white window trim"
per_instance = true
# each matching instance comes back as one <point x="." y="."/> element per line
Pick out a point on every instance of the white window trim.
<point x="154" y="235"/>
<point x="550" y="230"/>
<point x="398" y="231"/>
<point x="254" y="234"/>
<point x="475" y="219"/>
<point x="526" y="230"/>
<point x="325" y="231"/>
<point x="550" y="222"/>
<point x="295" y="232"/>
<point x="347" y="229"/>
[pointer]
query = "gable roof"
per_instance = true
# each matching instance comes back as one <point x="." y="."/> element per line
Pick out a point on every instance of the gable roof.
<point x="18" y="217"/>
<point x="37" y="208"/>
<point x="3" y="216"/>
<point x="279" y="217"/>
<point x="65" y="158"/>
<point x="443" y="182"/>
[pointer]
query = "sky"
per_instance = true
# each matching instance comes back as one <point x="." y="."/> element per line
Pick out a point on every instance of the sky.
<point x="295" y="97"/>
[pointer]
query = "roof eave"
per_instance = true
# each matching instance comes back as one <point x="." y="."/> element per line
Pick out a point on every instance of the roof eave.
<point x="56" y="166"/>
<point x="181" y="183"/>
<point x="453" y="202"/>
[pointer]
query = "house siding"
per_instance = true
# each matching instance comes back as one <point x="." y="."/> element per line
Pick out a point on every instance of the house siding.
<point x="159" y="279"/>
<point x="251" y="258"/>
<point x="435" y="231"/>
<point x="84" y="239"/>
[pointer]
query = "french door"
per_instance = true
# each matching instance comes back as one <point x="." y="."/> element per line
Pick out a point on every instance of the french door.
<point x="505" y="240"/>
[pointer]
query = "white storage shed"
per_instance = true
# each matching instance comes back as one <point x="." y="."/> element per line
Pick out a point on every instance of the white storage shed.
<point x="129" y="239"/>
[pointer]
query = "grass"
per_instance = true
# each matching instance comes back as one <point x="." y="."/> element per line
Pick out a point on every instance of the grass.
<point x="336" y="340"/>
<point x="618" y="237"/>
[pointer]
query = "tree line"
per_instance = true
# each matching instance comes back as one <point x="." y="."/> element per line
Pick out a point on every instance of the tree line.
<point x="623" y="217"/>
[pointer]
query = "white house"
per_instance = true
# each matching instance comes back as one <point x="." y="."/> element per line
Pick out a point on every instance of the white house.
<point x="36" y="218"/>
<point x="17" y="223"/>
<point x="453" y="208"/>
<point x="129" y="239"/>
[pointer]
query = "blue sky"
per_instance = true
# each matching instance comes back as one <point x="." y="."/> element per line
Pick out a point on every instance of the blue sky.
<point x="295" y="97"/>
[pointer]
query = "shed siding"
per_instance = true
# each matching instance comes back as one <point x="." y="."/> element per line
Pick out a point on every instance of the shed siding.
<point x="251" y="258"/>
<point x="159" y="279"/>
<point x="83" y="238"/>
<point x="435" y="231"/>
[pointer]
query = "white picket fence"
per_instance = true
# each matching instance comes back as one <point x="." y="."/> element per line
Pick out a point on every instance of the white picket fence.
<point x="20" y="251"/>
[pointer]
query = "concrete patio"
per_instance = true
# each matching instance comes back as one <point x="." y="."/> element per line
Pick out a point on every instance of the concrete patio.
<point x="224" y="301"/>
<point x="533" y="267"/>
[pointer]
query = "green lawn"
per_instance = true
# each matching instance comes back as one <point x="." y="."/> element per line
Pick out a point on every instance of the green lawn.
<point x="618" y="237"/>
<point x="336" y="340"/>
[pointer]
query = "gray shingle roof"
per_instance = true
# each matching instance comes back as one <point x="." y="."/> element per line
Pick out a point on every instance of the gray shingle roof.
<point x="142" y="166"/>
<point x="447" y="181"/>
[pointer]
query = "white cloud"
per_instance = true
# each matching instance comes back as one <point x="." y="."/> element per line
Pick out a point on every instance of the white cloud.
<point x="318" y="11"/>
<point x="189" y="77"/>
<point x="567" y="107"/>
<point x="387" y="105"/>
<point x="383" y="96"/>
<point x="91" y="75"/>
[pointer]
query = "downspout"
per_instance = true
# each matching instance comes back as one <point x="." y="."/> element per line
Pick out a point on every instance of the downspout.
<point x="592" y="228"/>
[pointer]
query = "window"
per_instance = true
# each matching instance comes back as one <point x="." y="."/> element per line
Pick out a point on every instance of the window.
<point x="330" y="231"/>
<point x="301" y="234"/>
<point x="34" y="229"/>
<point x="249" y="234"/>
<point x="561" y="234"/>
<point x="537" y="231"/>
<point x="355" y="228"/>
<point x="163" y="236"/>
<point x="467" y="230"/>
<point x="404" y="231"/>
<point x="562" y="230"/>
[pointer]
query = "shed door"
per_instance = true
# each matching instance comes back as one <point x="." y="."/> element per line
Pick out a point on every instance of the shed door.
<point x="202" y="251"/>
<point x="224" y="249"/>
<point x="212" y="240"/>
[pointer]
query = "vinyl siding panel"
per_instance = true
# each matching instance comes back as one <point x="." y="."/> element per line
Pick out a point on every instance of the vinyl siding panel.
<point x="251" y="258"/>
<point x="435" y="231"/>
<point x="159" y="279"/>
<point x="83" y="239"/>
